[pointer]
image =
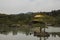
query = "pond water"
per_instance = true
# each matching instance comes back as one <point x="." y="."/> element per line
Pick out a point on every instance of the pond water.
<point x="17" y="34"/>
<point x="52" y="29"/>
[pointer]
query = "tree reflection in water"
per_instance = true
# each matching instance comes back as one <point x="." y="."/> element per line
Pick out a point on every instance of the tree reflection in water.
<point x="26" y="30"/>
<point x="43" y="38"/>
<point x="54" y="34"/>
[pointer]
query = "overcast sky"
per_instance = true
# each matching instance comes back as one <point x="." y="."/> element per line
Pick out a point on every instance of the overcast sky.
<point x="21" y="6"/>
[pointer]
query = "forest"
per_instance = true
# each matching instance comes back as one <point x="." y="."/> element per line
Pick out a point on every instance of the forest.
<point x="52" y="17"/>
